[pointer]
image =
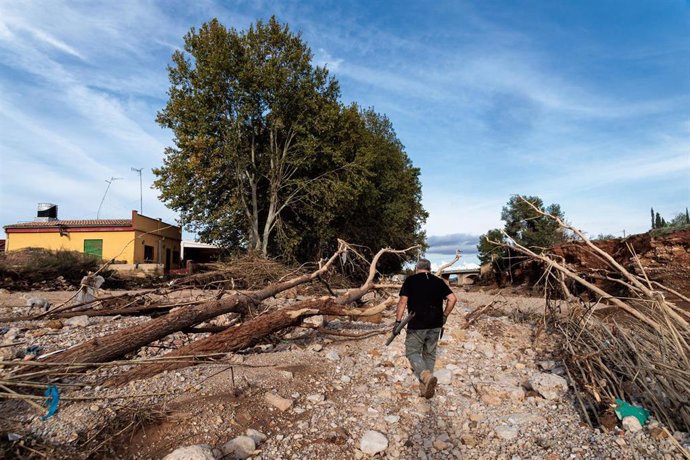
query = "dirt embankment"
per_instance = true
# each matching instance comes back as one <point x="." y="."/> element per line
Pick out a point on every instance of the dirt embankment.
<point x="665" y="259"/>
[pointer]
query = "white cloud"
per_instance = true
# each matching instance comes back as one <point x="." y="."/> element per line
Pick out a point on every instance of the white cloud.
<point x="324" y="59"/>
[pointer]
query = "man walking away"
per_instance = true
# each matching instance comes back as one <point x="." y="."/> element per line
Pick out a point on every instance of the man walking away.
<point x="423" y="294"/>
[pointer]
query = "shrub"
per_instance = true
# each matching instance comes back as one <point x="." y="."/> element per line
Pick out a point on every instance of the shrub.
<point x="34" y="265"/>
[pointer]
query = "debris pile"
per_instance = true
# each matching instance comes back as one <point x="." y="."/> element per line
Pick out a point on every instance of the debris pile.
<point x="634" y="347"/>
<point x="43" y="269"/>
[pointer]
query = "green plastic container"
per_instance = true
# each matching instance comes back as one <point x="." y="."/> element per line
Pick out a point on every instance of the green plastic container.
<point x="623" y="409"/>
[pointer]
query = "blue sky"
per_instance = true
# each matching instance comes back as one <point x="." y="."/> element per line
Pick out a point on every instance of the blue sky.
<point x="585" y="104"/>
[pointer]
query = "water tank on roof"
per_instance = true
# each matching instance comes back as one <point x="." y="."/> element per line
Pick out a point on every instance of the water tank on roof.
<point x="46" y="212"/>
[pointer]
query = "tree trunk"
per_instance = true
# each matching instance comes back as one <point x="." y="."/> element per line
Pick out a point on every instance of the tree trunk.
<point x="116" y="345"/>
<point x="233" y="339"/>
<point x="248" y="334"/>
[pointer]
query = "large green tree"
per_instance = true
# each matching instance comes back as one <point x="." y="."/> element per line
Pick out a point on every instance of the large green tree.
<point x="525" y="226"/>
<point x="246" y="110"/>
<point x="265" y="156"/>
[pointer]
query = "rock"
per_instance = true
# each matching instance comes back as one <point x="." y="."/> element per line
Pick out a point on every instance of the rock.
<point x="506" y="432"/>
<point x="77" y="321"/>
<point x="333" y="356"/>
<point x="547" y="365"/>
<point x="345" y="379"/>
<point x="12" y="334"/>
<point x="476" y="416"/>
<point x="197" y="452"/>
<point x="239" y="448"/>
<point x="316" y="321"/>
<point x="631" y="424"/>
<point x="6" y="354"/>
<point x="256" y="435"/>
<point x="444" y="376"/>
<point x="440" y="445"/>
<point x="316" y="398"/>
<point x="286" y="374"/>
<point x="485" y="348"/>
<point x="54" y="324"/>
<point x="550" y="386"/>
<point x="373" y="442"/>
<point x="495" y="392"/>
<point x="316" y="347"/>
<point x="658" y="433"/>
<point x="391" y="418"/>
<point x="468" y="440"/>
<point x="38" y="302"/>
<point x="278" y="402"/>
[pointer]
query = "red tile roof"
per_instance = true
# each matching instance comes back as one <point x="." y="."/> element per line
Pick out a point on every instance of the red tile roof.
<point x="74" y="223"/>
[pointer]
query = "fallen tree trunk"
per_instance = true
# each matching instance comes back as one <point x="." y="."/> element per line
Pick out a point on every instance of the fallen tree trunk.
<point x="639" y="351"/>
<point x="247" y="334"/>
<point x="254" y="330"/>
<point x="118" y="344"/>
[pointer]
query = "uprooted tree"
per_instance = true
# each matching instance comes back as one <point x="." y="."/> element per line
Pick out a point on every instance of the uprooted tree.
<point x="253" y="325"/>
<point x="264" y="149"/>
<point x="634" y="347"/>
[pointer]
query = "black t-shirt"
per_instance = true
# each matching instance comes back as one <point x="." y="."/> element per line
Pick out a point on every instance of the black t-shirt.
<point x="425" y="293"/>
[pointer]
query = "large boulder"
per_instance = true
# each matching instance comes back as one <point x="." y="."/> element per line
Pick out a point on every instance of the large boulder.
<point x="550" y="386"/>
<point x="239" y="448"/>
<point x="256" y="435"/>
<point x="373" y="442"/>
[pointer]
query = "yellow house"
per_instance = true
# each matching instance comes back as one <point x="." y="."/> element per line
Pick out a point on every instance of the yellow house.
<point x="139" y="240"/>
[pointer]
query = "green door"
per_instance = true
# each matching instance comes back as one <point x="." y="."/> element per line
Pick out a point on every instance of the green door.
<point x="94" y="248"/>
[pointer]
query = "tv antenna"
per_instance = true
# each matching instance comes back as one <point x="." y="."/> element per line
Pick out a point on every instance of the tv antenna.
<point x="141" y="199"/>
<point x="109" y="181"/>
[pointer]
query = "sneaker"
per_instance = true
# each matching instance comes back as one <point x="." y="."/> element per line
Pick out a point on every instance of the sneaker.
<point x="428" y="385"/>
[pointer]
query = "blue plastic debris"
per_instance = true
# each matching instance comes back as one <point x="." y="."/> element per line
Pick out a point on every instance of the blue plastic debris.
<point x="53" y="395"/>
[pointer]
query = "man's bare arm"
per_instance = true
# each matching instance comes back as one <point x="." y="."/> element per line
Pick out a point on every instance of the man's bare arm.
<point x="451" y="300"/>
<point x="400" y="312"/>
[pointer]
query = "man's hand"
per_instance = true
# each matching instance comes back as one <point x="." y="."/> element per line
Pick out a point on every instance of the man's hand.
<point x="445" y="318"/>
<point x="395" y="326"/>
